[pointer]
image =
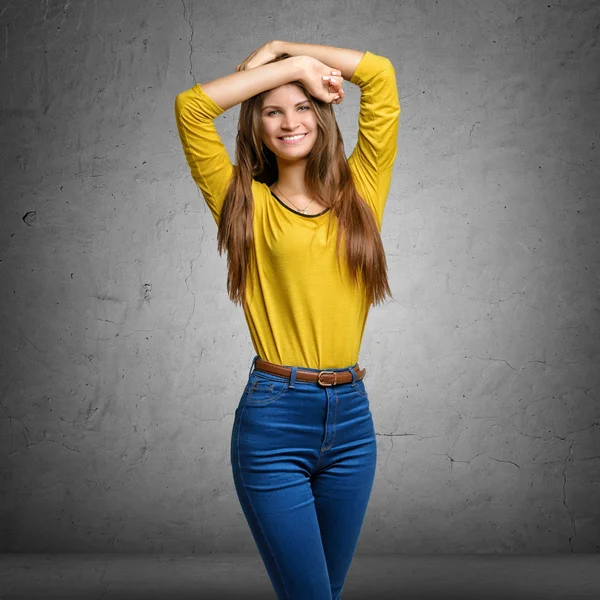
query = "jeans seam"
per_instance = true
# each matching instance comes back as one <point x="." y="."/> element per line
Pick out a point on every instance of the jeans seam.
<point x="266" y="539"/>
<point x="334" y="426"/>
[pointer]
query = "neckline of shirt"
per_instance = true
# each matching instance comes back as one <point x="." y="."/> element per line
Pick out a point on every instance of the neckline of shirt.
<point x="295" y="211"/>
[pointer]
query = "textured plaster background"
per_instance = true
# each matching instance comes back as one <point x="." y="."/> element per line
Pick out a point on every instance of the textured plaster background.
<point x="122" y="360"/>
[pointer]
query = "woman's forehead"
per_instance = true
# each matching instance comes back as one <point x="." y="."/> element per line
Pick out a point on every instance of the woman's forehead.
<point x="285" y="94"/>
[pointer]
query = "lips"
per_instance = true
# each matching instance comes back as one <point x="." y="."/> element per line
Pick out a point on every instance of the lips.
<point x="293" y="139"/>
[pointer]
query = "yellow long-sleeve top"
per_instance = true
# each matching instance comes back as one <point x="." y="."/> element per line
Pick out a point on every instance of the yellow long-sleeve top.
<point x="301" y="306"/>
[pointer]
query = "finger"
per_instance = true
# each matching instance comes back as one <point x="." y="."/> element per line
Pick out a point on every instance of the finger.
<point x="335" y="87"/>
<point x="333" y="81"/>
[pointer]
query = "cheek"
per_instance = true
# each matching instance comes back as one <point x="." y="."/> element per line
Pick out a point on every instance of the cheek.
<point x="267" y="128"/>
<point x="264" y="134"/>
<point x="266" y="139"/>
<point x="315" y="129"/>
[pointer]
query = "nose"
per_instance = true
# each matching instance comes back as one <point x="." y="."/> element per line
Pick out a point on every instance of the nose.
<point x="289" y="122"/>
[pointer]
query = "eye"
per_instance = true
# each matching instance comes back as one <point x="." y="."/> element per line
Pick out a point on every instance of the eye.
<point x="272" y="112"/>
<point x="305" y="107"/>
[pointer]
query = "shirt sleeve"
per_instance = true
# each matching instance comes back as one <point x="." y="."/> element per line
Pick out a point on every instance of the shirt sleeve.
<point x="372" y="160"/>
<point x="206" y="154"/>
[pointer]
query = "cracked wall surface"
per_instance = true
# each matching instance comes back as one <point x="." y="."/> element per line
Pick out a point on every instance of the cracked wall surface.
<point x="122" y="360"/>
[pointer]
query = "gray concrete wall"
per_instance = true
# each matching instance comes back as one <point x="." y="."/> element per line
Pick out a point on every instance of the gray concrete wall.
<point x="122" y="360"/>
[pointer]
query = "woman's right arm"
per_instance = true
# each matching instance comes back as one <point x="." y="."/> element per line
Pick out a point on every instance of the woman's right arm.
<point x="205" y="153"/>
<point x="196" y="109"/>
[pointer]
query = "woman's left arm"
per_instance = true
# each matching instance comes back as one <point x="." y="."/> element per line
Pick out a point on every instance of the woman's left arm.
<point x="372" y="159"/>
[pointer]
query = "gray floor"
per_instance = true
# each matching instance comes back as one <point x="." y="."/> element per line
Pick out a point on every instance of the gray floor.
<point x="135" y="577"/>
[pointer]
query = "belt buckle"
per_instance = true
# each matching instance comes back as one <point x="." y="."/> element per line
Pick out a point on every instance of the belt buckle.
<point x="323" y="383"/>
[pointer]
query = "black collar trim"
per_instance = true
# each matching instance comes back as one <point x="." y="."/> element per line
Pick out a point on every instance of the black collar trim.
<point x="295" y="211"/>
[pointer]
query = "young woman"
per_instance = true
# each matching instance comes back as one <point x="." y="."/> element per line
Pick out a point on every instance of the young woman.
<point x="300" y="224"/>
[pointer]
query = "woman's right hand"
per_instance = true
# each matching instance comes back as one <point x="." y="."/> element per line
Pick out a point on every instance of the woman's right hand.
<point x="260" y="56"/>
<point x="322" y="81"/>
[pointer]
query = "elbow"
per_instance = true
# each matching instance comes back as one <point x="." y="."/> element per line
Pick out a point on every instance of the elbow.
<point x="185" y="102"/>
<point x="387" y="65"/>
<point x="180" y="103"/>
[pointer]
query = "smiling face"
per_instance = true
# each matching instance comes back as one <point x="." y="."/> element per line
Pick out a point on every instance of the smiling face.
<point x="289" y="124"/>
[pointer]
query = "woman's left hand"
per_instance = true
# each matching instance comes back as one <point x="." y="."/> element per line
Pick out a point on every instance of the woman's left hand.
<point x="259" y="57"/>
<point x="321" y="81"/>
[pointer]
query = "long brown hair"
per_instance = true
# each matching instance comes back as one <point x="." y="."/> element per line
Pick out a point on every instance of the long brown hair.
<point x="328" y="178"/>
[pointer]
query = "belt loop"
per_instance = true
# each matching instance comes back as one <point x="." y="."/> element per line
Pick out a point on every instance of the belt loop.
<point x="353" y="372"/>
<point x="252" y="366"/>
<point x="293" y="377"/>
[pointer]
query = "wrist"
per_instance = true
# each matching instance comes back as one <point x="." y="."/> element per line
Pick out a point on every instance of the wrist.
<point x="276" y="46"/>
<point x="301" y="66"/>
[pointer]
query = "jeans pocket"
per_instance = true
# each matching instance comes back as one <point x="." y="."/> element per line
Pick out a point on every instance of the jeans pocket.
<point x="262" y="391"/>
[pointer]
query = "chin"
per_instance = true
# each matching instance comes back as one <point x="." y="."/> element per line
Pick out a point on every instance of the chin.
<point x="293" y="153"/>
<point x="294" y="156"/>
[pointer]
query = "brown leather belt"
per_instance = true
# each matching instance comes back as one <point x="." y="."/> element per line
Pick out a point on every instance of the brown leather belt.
<point x="324" y="378"/>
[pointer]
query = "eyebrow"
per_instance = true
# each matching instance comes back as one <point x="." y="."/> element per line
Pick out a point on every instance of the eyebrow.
<point x="275" y="106"/>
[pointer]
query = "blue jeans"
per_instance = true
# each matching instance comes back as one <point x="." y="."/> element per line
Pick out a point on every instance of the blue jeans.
<point x="303" y="459"/>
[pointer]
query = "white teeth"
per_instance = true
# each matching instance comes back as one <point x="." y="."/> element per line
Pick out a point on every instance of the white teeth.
<point x="290" y="138"/>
